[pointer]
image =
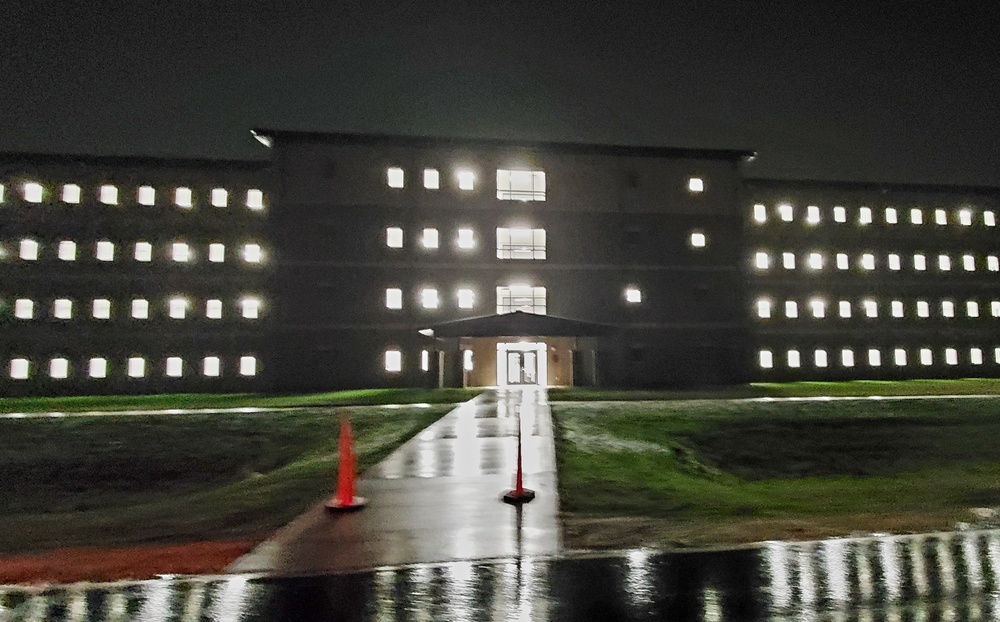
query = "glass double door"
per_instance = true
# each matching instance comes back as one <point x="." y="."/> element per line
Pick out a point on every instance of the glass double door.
<point x="522" y="367"/>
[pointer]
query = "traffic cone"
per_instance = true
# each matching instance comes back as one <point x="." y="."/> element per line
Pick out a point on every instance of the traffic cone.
<point x="344" y="500"/>
<point x="520" y="494"/>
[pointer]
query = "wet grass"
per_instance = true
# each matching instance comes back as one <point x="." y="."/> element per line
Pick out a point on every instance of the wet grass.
<point x="119" y="480"/>
<point x="722" y="460"/>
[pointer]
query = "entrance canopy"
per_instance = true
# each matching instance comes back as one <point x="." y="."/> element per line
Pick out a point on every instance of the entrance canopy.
<point x="519" y="324"/>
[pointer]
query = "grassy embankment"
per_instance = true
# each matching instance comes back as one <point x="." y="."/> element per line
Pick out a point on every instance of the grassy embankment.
<point x="724" y="472"/>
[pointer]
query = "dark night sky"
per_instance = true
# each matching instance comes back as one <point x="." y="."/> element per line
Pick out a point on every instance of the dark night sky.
<point x="843" y="93"/>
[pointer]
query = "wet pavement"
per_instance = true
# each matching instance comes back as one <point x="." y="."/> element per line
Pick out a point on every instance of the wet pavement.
<point x="436" y="498"/>
<point x="948" y="576"/>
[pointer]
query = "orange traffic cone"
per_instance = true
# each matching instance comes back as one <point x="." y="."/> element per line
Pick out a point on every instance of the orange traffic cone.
<point x="520" y="494"/>
<point x="344" y="500"/>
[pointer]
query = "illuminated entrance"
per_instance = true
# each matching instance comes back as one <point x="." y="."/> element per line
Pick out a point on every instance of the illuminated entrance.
<point x="521" y="363"/>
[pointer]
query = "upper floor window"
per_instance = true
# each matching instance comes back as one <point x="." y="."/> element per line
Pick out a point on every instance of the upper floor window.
<point x="394" y="237"/>
<point x="696" y="184"/>
<point x="146" y="195"/>
<point x="521" y="298"/>
<point x="520" y="243"/>
<point x="109" y="194"/>
<point x="760" y="213"/>
<point x="432" y="179"/>
<point x="255" y="199"/>
<point x="520" y="185"/>
<point x="33" y="192"/>
<point x="466" y="239"/>
<point x="220" y="197"/>
<point x="466" y="179"/>
<point x="430" y="238"/>
<point x="812" y="215"/>
<point x="71" y="193"/>
<point x="183" y="197"/>
<point x="395" y="177"/>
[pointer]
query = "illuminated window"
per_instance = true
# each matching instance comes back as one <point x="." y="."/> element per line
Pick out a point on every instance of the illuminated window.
<point x="432" y="179"/>
<point x="466" y="239"/>
<point x="180" y="252"/>
<point x="843" y="262"/>
<point x="916" y="216"/>
<point x="213" y="309"/>
<point x="136" y="367"/>
<point x="466" y="179"/>
<point x="992" y="263"/>
<point x="393" y="360"/>
<point x="183" y="197"/>
<point x="762" y="261"/>
<point x="143" y="251"/>
<point x="989" y="219"/>
<point x="1" y="193"/>
<point x="868" y="261"/>
<point x="965" y="217"/>
<point x="891" y="217"/>
<point x="923" y="308"/>
<point x="926" y="357"/>
<point x="109" y="194"/>
<point x="216" y="252"/>
<point x="760" y="213"/>
<point x="28" y="250"/>
<point x="847" y="357"/>
<point x="788" y="261"/>
<point x="429" y="238"/>
<point x="816" y="261"/>
<point x="940" y="217"/>
<point x="968" y="263"/>
<point x="791" y="309"/>
<point x="698" y="239"/>
<point x="995" y="308"/>
<point x="393" y="298"/>
<point x="248" y="366"/>
<point x="220" y="198"/>
<point x="763" y="308"/>
<point x="844" y="307"/>
<point x="146" y="195"/>
<point x="899" y="357"/>
<point x="101" y="309"/>
<point x="255" y="199"/>
<point x="19" y="369"/>
<point x="972" y="308"/>
<point x="525" y="298"/>
<point x="174" y="367"/>
<point x="766" y="359"/>
<point x="429" y="298"/>
<point x="812" y="215"/>
<point x="211" y="366"/>
<point x="996" y="355"/>
<point x="395" y="177"/>
<point x="951" y="356"/>
<point x="59" y="368"/>
<point x="696" y="184"/>
<point x="633" y="295"/>
<point x="24" y="309"/>
<point x="62" y="309"/>
<point x="105" y="251"/>
<point x="864" y="215"/>
<point x="947" y="308"/>
<point x="97" y="368"/>
<point x="819" y="358"/>
<point x="466" y="298"/>
<point x="818" y="308"/>
<point x="897" y="308"/>
<point x="793" y="358"/>
<point x="177" y="308"/>
<point x="467" y="362"/>
<point x="250" y="308"/>
<point x="67" y="250"/>
<point x="71" y="193"/>
<point x="140" y="309"/>
<point x="520" y="243"/>
<point x="976" y="356"/>
<point x="519" y="185"/>
<point x="33" y="192"/>
<point x="251" y="253"/>
<point x="785" y="212"/>
<point x="874" y="358"/>
<point x="944" y="263"/>
<point x="919" y="263"/>
<point x="425" y="360"/>
<point x="871" y="308"/>
<point x="839" y="214"/>
<point x="894" y="262"/>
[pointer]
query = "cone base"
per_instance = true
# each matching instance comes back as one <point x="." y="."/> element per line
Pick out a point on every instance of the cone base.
<point x="515" y="497"/>
<point x="334" y="505"/>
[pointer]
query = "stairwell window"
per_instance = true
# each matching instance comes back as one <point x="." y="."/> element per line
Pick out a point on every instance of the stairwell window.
<point x="520" y="185"/>
<point x="520" y="243"/>
<point x="525" y="298"/>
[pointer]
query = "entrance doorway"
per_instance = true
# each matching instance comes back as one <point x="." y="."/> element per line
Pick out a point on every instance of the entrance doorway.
<point x="521" y="363"/>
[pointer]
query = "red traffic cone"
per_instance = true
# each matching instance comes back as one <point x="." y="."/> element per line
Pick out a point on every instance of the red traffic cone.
<point x="520" y="494"/>
<point x="344" y="500"/>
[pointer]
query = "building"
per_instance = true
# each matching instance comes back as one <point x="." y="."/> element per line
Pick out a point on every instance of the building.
<point x="366" y="261"/>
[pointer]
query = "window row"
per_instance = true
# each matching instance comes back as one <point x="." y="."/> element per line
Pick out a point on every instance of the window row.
<point x="873" y="357"/>
<point x="918" y="262"/>
<point x="61" y="368"/>
<point x="819" y="308"/>
<point x="813" y="215"/>
<point x="105" y="250"/>
<point x="108" y="194"/>
<point x="102" y="308"/>
<point x="510" y="298"/>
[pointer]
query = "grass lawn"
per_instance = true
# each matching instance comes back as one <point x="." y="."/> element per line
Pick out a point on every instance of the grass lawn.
<point x="704" y="472"/>
<point x="119" y="480"/>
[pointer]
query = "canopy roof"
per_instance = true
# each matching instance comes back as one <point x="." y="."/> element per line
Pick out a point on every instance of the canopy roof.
<point x="520" y="324"/>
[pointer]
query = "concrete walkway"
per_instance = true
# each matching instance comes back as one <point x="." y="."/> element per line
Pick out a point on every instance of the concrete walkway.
<point x="436" y="498"/>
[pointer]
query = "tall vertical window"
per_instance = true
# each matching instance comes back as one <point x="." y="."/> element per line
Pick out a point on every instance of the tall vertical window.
<point x="785" y="212"/>
<point x="965" y="217"/>
<point x="868" y="261"/>
<point x="871" y="308"/>
<point x="395" y="177"/>
<point x="891" y="217"/>
<point x="393" y="360"/>
<point x="899" y="357"/>
<point x="947" y="308"/>
<point x="97" y="367"/>
<point x="216" y="252"/>
<point x="788" y="260"/>
<point x="250" y="308"/>
<point x="926" y="357"/>
<point x="972" y="308"/>
<point x="429" y="298"/>
<point x="919" y="262"/>
<point x="248" y="366"/>
<point x="976" y="356"/>
<point x="923" y="308"/>
<point x="865" y="215"/>
<point x="812" y="214"/>
<point x="255" y="199"/>
<point x="989" y="219"/>
<point x="105" y="251"/>
<point x="847" y="357"/>
<point x="213" y="309"/>
<point x="940" y="217"/>
<point x="815" y="261"/>
<point x="183" y="197"/>
<point x="466" y="239"/>
<point x="466" y="179"/>
<point x="520" y="243"/>
<point x="432" y="179"/>
<point x="992" y="263"/>
<point x="220" y="197"/>
<point x="968" y="263"/>
<point x="760" y="213"/>
<point x="393" y="298"/>
<point x="521" y="297"/>
<point x="394" y="237"/>
<point x="67" y="250"/>
<point x="844" y="308"/>
<point x="951" y="356"/>
<point x="146" y="195"/>
<point x="894" y="262"/>
<point x="425" y="360"/>
<point x="874" y="357"/>
<point x="818" y="307"/>
<point x="762" y="261"/>
<point x="429" y="239"/>
<point x="794" y="359"/>
<point x="839" y="214"/>
<point x="521" y="185"/>
<point x="843" y="262"/>
<point x="944" y="263"/>
<point x="71" y="193"/>
<point x="764" y="308"/>
<point x="995" y="308"/>
<point x="820" y="358"/>
<point x="143" y="251"/>
<point x="897" y="308"/>
<point x="28" y="250"/>
<point x="109" y="194"/>
<point x="917" y="216"/>
<point x="791" y="309"/>
<point x="766" y="359"/>
<point x="466" y="298"/>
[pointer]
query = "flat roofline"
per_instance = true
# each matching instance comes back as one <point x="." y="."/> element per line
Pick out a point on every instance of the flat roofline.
<point x="122" y="161"/>
<point x="265" y="136"/>
<point x="760" y="182"/>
